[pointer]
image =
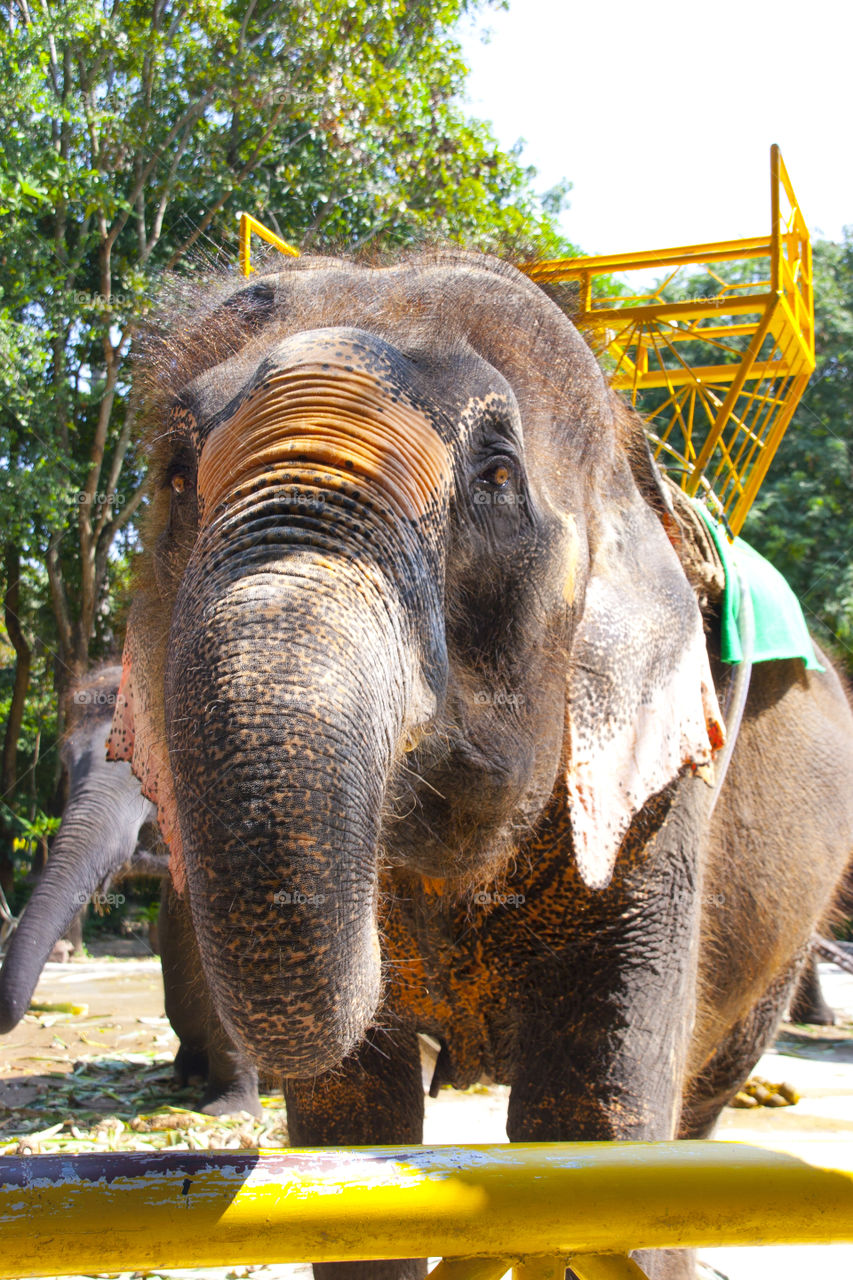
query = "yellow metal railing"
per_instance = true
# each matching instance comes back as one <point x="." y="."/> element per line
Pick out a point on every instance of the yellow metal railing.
<point x="250" y="226"/>
<point x="717" y="377"/>
<point x="536" y="1208"/>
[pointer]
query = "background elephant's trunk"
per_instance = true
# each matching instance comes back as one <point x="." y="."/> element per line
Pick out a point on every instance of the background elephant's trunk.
<point x="289" y="691"/>
<point x="98" y="835"/>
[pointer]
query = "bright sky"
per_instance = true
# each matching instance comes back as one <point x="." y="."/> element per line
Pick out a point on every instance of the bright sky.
<point x="662" y="112"/>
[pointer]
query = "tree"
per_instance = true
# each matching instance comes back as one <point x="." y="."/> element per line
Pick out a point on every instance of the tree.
<point x="32" y="499"/>
<point x="133" y="130"/>
<point x="132" y="133"/>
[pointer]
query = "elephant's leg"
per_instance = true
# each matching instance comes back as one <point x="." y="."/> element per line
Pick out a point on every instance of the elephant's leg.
<point x="182" y="985"/>
<point x="731" y="1063"/>
<point x="808" y="1004"/>
<point x="206" y="1048"/>
<point x="605" y="1023"/>
<point x="589" y="1087"/>
<point x="590" y="1081"/>
<point x="375" y="1097"/>
<point x="74" y="932"/>
<point x="605" y="1059"/>
<point x="232" y="1080"/>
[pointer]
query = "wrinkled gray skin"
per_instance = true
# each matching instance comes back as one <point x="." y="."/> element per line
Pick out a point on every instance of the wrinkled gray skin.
<point x="109" y="831"/>
<point x="412" y="626"/>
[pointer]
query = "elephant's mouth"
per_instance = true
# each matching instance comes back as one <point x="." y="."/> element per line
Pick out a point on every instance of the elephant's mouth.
<point x="460" y="802"/>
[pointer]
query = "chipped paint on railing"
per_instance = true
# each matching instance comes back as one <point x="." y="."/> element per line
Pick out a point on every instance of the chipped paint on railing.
<point x="132" y="1211"/>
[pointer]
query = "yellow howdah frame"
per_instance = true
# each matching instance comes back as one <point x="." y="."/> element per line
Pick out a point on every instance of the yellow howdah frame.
<point x="716" y="378"/>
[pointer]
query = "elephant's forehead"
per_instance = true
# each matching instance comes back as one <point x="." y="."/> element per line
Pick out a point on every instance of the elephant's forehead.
<point x="450" y="387"/>
<point x="454" y="331"/>
<point x="332" y="399"/>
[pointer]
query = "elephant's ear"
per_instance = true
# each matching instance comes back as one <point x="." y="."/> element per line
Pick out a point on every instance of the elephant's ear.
<point x="138" y="731"/>
<point x="641" y="700"/>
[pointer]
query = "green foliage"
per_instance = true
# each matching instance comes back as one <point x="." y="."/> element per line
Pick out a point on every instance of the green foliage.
<point x="132" y="134"/>
<point x="24" y="812"/>
<point x="29" y="835"/>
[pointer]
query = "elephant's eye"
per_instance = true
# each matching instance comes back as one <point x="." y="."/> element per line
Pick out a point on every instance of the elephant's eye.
<point x="498" y="474"/>
<point x="179" y="471"/>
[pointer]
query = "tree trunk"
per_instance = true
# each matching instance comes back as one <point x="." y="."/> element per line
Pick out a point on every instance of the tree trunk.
<point x="23" y="660"/>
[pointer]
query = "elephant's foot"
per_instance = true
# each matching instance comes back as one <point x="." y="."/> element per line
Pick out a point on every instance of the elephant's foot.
<point x="393" y="1269"/>
<point x="221" y="1099"/>
<point x="810" y="1007"/>
<point x="190" y="1065"/>
<point x="824" y="1017"/>
<point x="229" y="1086"/>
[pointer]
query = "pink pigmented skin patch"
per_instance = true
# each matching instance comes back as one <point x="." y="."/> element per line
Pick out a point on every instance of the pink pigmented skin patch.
<point x="616" y="767"/>
<point x="132" y="738"/>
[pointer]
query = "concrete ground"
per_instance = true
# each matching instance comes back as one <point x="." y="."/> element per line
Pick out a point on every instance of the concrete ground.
<point x="125" y="1016"/>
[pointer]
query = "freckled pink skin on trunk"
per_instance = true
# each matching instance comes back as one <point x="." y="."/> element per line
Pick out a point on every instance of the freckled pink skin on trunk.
<point x="281" y="855"/>
<point x="134" y="737"/>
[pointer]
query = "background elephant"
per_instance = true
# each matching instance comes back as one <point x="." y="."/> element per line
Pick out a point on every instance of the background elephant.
<point x="108" y="830"/>
<point x="808" y="1003"/>
<point x="429" y="709"/>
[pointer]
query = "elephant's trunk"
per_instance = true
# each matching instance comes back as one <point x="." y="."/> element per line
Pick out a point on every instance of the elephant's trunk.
<point x="290" y="691"/>
<point x="98" y="835"/>
<point x="293" y="678"/>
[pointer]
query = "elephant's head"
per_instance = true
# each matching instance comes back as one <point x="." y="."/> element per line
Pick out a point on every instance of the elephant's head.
<point x="400" y="581"/>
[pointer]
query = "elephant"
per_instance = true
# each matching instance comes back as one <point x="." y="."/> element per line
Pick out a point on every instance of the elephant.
<point x="109" y="830"/>
<point x="432" y="712"/>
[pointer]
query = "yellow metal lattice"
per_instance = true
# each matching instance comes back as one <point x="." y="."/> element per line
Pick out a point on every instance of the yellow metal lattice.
<point x="716" y="377"/>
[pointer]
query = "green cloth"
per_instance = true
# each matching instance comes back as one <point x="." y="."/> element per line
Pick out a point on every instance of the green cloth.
<point x="780" y="628"/>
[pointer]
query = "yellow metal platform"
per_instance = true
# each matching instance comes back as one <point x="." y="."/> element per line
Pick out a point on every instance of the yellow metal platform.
<point x="716" y="377"/>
